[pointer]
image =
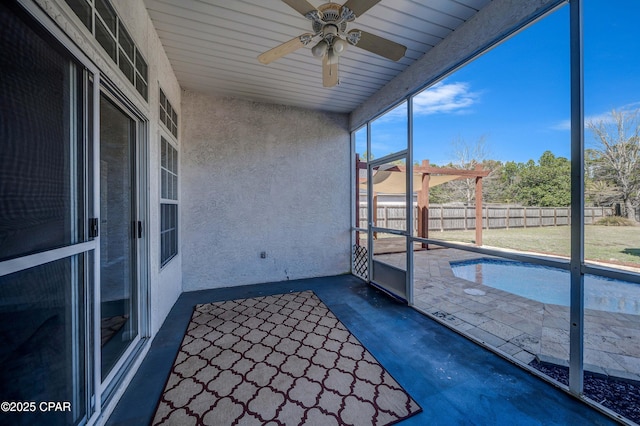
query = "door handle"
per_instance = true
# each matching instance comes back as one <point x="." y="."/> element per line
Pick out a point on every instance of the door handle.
<point x="93" y="227"/>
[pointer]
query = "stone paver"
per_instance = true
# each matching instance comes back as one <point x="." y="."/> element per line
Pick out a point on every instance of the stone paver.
<point x="522" y="328"/>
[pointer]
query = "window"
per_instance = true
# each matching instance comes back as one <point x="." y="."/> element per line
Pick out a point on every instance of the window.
<point x="114" y="38"/>
<point x="168" y="201"/>
<point x="168" y="115"/>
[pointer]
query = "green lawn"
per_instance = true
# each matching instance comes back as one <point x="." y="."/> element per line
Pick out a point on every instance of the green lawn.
<point x="611" y="244"/>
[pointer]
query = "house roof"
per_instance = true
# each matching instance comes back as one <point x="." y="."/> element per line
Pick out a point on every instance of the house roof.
<point x="213" y="47"/>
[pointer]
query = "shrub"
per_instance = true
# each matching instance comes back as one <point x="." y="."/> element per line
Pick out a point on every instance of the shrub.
<point x="615" y="221"/>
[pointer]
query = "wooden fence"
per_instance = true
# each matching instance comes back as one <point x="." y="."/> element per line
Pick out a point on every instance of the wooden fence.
<point x="449" y="218"/>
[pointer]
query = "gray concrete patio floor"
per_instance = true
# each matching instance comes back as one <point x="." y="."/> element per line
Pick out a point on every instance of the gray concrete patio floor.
<point x="455" y="381"/>
<point x="518" y="327"/>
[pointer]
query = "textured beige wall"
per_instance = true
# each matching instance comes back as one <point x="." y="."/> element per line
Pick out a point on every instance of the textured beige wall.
<point x="261" y="177"/>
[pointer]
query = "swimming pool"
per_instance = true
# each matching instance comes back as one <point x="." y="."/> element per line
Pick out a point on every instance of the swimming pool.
<point x="549" y="285"/>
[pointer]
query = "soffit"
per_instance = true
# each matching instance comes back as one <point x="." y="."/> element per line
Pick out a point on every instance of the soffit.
<point x="213" y="47"/>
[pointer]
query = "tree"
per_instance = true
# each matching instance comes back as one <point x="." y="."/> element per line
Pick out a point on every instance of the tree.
<point x="366" y="157"/>
<point x="467" y="157"/>
<point x="507" y="178"/>
<point x="616" y="156"/>
<point x="545" y="184"/>
<point x="493" y="189"/>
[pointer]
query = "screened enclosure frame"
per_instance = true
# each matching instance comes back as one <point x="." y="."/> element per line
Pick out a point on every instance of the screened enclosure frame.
<point x="575" y="265"/>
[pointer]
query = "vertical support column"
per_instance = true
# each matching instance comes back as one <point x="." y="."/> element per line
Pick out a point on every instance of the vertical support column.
<point x="423" y="205"/>
<point x="409" y="203"/>
<point x="357" y="198"/>
<point x="478" y="208"/>
<point x="576" y="329"/>
<point x="369" y="207"/>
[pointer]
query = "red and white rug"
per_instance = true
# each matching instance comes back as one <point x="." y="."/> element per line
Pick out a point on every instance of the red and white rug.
<point x="277" y="360"/>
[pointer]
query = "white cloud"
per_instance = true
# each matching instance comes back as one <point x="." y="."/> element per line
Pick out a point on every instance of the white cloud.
<point x="603" y="117"/>
<point x="445" y="98"/>
<point x="562" y="125"/>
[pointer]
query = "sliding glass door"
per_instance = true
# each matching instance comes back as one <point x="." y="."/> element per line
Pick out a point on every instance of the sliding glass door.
<point x="46" y="252"/>
<point x="119" y="233"/>
<point x="73" y="248"/>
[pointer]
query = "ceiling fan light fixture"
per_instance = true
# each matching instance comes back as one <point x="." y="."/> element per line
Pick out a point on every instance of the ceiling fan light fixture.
<point x="329" y="25"/>
<point x="339" y="45"/>
<point x="332" y="57"/>
<point x="320" y="49"/>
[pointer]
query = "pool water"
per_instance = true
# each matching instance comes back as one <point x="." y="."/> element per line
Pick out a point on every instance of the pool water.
<point x="550" y="285"/>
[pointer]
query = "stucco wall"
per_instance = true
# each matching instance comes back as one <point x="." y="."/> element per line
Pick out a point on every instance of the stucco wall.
<point x="262" y="178"/>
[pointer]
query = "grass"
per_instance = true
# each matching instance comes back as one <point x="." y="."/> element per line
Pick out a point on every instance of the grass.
<point x="615" y="221"/>
<point x="618" y="245"/>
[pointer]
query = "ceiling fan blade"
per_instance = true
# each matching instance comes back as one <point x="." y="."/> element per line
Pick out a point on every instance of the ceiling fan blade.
<point x="360" y="6"/>
<point x="301" y="6"/>
<point x="329" y="72"/>
<point x="379" y="45"/>
<point x="285" y="48"/>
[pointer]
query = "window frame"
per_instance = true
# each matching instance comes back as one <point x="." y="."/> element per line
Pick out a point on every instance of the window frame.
<point x="131" y="64"/>
<point x="171" y="168"/>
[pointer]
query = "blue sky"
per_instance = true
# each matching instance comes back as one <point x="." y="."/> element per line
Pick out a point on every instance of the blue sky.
<point x="516" y="96"/>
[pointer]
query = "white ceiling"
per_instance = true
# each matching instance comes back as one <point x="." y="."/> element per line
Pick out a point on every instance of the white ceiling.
<point x="213" y="46"/>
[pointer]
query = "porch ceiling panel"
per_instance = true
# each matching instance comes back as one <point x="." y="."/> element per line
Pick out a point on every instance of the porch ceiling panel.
<point x="213" y="47"/>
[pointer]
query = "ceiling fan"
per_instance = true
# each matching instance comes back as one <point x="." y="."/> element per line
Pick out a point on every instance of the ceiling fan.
<point x="329" y="23"/>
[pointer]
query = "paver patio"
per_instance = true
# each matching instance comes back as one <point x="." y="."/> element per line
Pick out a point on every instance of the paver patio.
<point x="520" y="328"/>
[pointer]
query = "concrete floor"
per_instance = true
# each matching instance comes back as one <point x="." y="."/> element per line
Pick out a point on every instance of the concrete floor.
<point x="453" y="379"/>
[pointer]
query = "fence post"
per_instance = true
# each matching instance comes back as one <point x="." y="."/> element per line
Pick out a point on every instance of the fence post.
<point x="486" y="214"/>
<point x="540" y="217"/>
<point x="386" y="216"/>
<point x="465" y="217"/>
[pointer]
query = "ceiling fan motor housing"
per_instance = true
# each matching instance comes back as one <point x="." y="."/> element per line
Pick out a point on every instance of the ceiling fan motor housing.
<point x="330" y="20"/>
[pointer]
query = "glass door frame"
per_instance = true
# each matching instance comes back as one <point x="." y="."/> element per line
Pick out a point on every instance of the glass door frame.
<point x="96" y="394"/>
<point x="84" y="99"/>
<point x="407" y="233"/>
<point x="106" y="388"/>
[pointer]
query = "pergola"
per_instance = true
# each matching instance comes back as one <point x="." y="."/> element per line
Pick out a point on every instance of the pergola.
<point x="392" y="180"/>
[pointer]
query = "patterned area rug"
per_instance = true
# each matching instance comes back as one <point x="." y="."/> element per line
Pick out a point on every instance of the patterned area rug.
<point x="277" y="360"/>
